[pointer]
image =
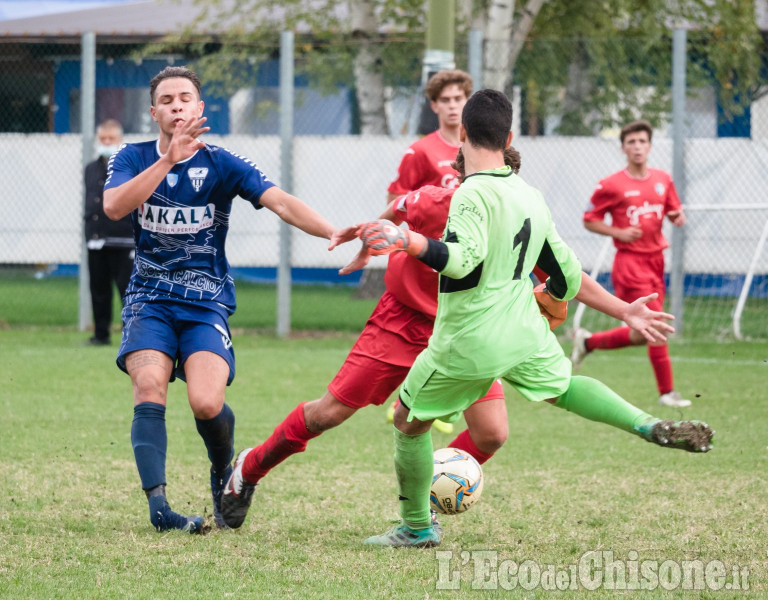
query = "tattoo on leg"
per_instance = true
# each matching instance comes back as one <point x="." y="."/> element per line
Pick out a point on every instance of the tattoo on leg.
<point x="142" y="358"/>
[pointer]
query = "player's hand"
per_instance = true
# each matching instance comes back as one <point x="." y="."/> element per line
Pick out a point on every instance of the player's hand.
<point x="555" y="311"/>
<point x="384" y="237"/>
<point x="651" y="324"/>
<point x="344" y="235"/>
<point x="357" y="263"/>
<point x="184" y="142"/>
<point x="629" y="234"/>
<point x="677" y="217"/>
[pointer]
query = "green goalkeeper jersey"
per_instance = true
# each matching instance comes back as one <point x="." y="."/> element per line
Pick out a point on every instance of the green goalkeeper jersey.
<point x="487" y="317"/>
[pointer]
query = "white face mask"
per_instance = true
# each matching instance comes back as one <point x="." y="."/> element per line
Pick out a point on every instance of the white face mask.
<point x="106" y="151"/>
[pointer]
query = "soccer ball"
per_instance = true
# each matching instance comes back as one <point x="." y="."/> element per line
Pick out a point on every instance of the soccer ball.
<point x="457" y="482"/>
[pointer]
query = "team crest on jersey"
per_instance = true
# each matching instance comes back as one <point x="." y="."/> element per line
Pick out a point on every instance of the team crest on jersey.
<point x="659" y="187"/>
<point x="197" y="176"/>
<point x="172" y="179"/>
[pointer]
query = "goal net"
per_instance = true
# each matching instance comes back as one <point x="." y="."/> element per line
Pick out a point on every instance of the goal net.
<point x="724" y="269"/>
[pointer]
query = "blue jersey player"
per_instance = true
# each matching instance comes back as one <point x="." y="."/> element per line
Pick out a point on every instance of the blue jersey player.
<point x="179" y="192"/>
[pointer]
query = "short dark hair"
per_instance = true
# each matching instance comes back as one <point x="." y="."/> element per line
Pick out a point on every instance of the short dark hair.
<point x="440" y="80"/>
<point x="487" y="119"/>
<point x="170" y="72"/>
<point x="634" y="127"/>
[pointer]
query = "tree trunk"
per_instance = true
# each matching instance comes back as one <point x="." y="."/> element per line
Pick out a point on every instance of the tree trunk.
<point x="498" y="36"/>
<point x="369" y="89"/>
<point x="522" y="28"/>
<point x="369" y="83"/>
<point x="504" y="39"/>
<point x="371" y="284"/>
<point x="577" y="90"/>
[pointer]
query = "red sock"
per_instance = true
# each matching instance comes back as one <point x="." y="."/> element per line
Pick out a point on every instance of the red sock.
<point x="288" y="438"/>
<point x="662" y="368"/>
<point x="609" y="340"/>
<point x="464" y="442"/>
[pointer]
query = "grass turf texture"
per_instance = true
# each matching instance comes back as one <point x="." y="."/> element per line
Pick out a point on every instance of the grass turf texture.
<point x="52" y="301"/>
<point x="74" y="522"/>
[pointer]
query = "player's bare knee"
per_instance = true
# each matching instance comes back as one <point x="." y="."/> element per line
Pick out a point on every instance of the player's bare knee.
<point x="322" y="421"/>
<point x="491" y="439"/>
<point x="412" y="427"/>
<point x="148" y="389"/>
<point x="205" y="408"/>
<point x="325" y="413"/>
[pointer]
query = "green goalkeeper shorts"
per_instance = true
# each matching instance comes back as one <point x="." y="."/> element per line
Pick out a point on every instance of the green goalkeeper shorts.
<point x="430" y="394"/>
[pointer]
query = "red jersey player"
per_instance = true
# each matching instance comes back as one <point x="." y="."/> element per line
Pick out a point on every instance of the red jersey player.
<point x="637" y="198"/>
<point x="428" y="160"/>
<point x="396" y="332"/>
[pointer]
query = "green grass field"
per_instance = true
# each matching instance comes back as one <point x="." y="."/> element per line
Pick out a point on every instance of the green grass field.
<point x="74" y="522"/>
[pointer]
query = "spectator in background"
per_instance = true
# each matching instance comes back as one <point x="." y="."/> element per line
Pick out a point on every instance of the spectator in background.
<point x="637" y="198"/>
<point x="110" y="243"/>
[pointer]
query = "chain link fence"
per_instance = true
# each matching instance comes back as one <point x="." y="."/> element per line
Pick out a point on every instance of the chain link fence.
<point x="571" y="96"/>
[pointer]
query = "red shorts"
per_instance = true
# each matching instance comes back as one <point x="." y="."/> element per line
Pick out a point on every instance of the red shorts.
<point x="636" y="274"/>
<point x="382" y="356"/>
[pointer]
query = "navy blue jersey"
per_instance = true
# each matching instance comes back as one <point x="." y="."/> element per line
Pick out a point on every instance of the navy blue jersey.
<point x="181" y="229"/>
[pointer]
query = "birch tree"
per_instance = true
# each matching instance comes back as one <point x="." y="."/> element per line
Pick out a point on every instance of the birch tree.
<point x="504" y="33"/>
<point x="594" y="62"/>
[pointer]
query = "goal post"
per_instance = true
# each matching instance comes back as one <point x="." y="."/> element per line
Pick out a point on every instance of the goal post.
<point x="724" y="274"/>
<point x="600" y="262"/>
<point x="759" y="252"/>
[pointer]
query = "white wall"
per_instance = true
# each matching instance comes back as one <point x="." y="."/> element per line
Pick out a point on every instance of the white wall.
<point x="345" y="179"/>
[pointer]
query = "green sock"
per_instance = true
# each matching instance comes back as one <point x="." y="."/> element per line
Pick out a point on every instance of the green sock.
<point x="414" y="466"/>
<point x="595" y="401"/>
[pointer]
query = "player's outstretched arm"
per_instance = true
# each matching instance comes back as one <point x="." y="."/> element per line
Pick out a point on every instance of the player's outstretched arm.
<point x="344" y="235"/>
<point x="651" y="324"/>
<point x="295" y="212"/>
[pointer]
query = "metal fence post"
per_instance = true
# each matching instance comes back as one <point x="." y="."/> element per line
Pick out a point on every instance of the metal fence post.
<point x="286" y="182"/>
<point x="475" y="57"/>
<point x="676" y="272"/>
<point x="87" y="118"/>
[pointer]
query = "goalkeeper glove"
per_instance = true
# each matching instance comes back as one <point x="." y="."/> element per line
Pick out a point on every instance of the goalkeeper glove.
<point x="384" y="237"/>
<point x="555" y="311"/>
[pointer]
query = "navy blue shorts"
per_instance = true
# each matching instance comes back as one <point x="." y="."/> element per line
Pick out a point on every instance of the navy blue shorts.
<point x="178" y="330"/>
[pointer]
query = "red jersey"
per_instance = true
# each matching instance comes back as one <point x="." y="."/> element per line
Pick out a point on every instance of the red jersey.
<point x="426" y="162"/>
<point x="408" y="279"/>
<point x="635" y="202"/>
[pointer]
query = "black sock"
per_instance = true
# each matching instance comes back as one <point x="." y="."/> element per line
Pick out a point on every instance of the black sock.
<point x="219" y="437"/>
